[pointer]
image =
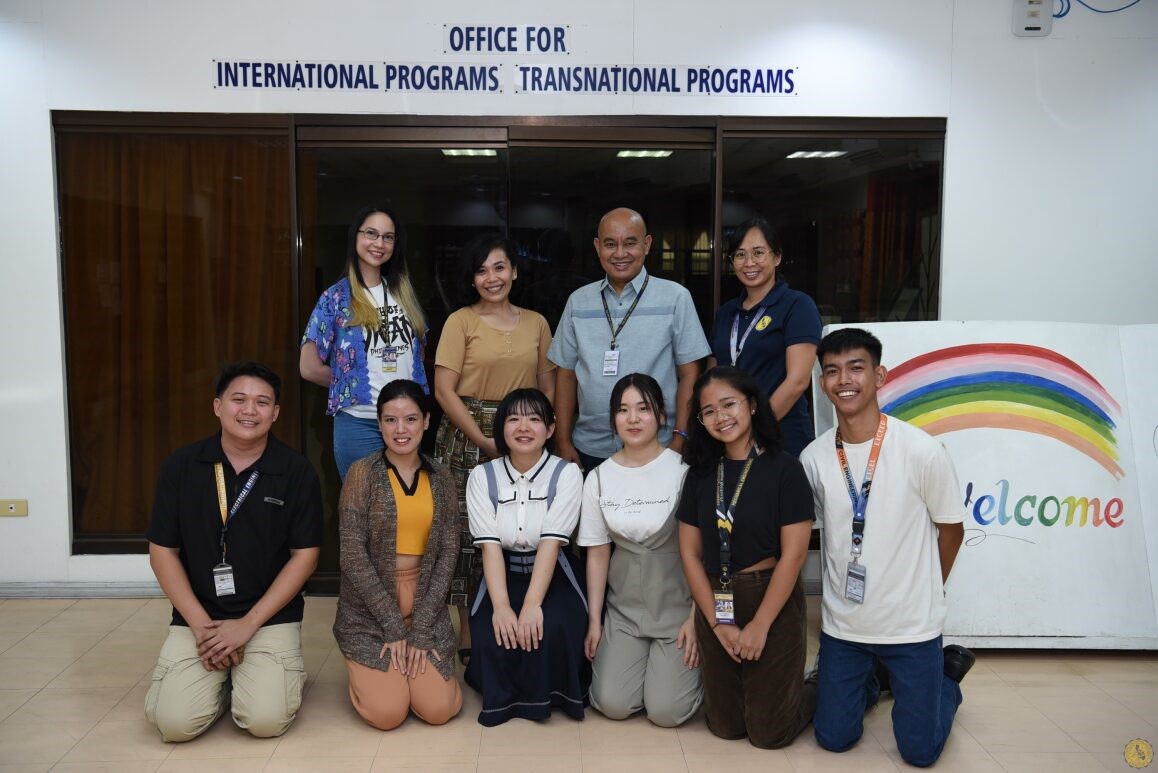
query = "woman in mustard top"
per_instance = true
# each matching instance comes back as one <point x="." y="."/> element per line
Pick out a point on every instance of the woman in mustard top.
<point x="399" y="544"/>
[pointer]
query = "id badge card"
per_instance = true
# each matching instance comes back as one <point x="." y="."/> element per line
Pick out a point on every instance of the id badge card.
<point x="854" y="582"/>
<point x="223" y="580"/>
<point x="725" y="608"/>
<point x="390" y="359"/>
<point x="611" y="362"/>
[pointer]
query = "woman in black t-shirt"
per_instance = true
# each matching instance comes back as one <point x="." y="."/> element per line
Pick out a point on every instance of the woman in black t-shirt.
<point x="745" y="520"/>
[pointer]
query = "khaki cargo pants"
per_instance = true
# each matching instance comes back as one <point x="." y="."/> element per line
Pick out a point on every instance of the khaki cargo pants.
<point x="185" y="699"/>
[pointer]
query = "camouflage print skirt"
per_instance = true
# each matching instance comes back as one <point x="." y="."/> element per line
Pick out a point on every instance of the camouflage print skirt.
<point x="453" y="449"/>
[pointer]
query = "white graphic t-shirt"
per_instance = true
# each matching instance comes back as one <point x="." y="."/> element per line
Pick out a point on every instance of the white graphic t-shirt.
<point x="389" y="348"/>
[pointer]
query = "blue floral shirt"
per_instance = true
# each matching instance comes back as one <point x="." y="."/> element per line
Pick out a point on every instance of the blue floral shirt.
<point x="343" y="347"/>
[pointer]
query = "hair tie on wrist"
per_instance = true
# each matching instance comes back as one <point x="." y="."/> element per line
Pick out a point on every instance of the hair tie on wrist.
<point x="681" y="433"/>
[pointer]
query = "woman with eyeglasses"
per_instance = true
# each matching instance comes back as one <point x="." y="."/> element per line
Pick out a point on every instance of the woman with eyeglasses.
<point x="745" y="517"/>
<point x="366" y="330"/>
<point x="771" y="331"/>
<point x="529" y="615"/>
<point x="487" y="349"/>
<point x="643" y="650"/>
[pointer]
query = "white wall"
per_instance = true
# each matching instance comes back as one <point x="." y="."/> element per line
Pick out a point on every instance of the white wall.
<point x="1050" y="168"/>
<point x="1050" y="158"/>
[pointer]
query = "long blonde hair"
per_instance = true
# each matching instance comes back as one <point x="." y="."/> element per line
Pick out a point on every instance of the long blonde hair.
<point x="394" y="274"/>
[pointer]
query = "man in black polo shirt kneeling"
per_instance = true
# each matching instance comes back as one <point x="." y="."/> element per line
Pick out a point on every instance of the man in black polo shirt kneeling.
<point x="235" y="534"/>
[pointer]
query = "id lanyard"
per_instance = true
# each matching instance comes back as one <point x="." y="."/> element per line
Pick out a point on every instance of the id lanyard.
<point x="389" y="353"/>
<point x="384" y="318"/>
<point x="726" y="519"/>
<point x="615" y="331"/>
<point x="737" y="346"/>
<point x="227" y="515"/>
<point x="860" y="501"/>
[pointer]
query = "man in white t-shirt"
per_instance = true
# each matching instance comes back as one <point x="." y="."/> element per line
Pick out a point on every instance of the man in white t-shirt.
<point x="888" y="499"/>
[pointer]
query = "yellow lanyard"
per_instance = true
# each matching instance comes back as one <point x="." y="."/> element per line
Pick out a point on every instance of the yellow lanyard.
<point x="226" y="515"/>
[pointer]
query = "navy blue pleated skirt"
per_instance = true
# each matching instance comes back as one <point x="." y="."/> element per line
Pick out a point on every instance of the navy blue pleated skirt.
<point x="528" y="685"/>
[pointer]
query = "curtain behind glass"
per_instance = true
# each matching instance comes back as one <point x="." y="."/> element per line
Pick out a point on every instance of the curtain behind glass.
<point x="901" y="257"/>
<point x="176" y="258"/>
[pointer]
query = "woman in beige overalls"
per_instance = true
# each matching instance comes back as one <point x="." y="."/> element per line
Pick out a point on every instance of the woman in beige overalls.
<point x="643" y="651"/>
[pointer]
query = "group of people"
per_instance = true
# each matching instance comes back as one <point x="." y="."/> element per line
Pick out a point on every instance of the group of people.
<point x="682" y="489"/>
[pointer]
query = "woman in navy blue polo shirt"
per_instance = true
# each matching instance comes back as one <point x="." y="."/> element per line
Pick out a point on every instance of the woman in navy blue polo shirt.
<point x="770" y="331"/>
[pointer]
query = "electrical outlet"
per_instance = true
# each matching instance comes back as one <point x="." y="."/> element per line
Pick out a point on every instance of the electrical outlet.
<point x="13" y="507"/>
<point x="1032" y="18"/>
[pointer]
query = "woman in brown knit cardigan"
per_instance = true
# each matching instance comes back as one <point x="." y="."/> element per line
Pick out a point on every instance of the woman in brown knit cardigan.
<point x="399" y="545"/>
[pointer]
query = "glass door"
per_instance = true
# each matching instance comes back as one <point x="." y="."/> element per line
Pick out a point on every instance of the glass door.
<point x="558" y="195"/>
<point x="442" y="201"/>
<point x="547" y="195"/>
<point x="859" y="217"/>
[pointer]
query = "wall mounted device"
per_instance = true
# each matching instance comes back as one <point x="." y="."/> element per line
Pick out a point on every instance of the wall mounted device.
<point x="16" y="507"/>
<point x="1032" y="18"/>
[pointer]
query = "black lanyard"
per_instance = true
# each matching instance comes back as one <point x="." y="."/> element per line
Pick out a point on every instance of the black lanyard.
<point x="227" y="516"/>
<point x="860" y="502"/>
<point x="615" y="331"/>
<point x="725" y="517"/>
<point x="383" y="314"/>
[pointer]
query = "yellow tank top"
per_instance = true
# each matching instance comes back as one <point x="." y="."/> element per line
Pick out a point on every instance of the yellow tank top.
<point x="415" y="513"/>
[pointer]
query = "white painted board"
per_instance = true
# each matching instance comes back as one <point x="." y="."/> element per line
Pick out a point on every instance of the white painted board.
<point x="1045" y="423"/>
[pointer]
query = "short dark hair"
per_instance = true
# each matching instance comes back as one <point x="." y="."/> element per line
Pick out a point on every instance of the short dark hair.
<point x="702" y="450"/>
<point x="845" y="340"/>
<point x="761" y="225"/>
<point x="235" y="370"/>
<point x="525" y="401"/>
<point x="476" y="253"/>
<point x="649" y="390"/>
<point x="403" y="387"/>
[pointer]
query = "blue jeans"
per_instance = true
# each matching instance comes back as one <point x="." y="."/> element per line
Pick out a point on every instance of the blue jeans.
<point x="353" y="439"/>
<point x="925" y="700"/>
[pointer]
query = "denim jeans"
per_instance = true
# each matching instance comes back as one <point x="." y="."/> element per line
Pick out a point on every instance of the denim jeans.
<point x="924" y="699"/>
<point x="353" y="439"/>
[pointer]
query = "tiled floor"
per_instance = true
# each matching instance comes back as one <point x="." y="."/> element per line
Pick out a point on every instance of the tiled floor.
<point x="73" y="676"/>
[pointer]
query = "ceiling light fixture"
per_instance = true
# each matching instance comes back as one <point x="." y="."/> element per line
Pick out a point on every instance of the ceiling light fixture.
<point x="643" y="154"/>
<point x="468" y="152"/>
<point x="818" y="154"/>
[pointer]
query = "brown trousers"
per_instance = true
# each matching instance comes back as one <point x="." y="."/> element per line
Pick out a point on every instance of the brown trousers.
<point x="384" y="698"/>
<point x="766" y="699"/>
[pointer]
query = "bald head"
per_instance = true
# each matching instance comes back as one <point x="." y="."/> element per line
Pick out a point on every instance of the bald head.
<point x="622" y="246"/>
<point x="622" y="213"/>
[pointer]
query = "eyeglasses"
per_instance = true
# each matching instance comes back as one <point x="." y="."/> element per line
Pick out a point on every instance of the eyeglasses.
<point x="729" y="408"/>
<point x="373" y="236"/>
<point x="758" y="255"/>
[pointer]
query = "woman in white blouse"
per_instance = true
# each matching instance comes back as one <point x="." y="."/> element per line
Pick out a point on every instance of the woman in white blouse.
<point x="644" y="652"/>
<point x="527" y="619"/>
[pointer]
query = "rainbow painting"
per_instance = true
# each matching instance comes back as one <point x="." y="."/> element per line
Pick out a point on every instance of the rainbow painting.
<point x="1006" y="386"/>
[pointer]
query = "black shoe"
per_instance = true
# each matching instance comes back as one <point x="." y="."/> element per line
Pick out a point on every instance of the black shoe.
<point x="882" y="675"/>
<point x="958" y="661"/>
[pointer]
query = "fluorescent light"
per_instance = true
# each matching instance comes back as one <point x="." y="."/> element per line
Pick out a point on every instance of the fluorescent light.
<point x="643" y="154"/>
<point x="818" y="154"/>
<point x="468" y="152"/>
